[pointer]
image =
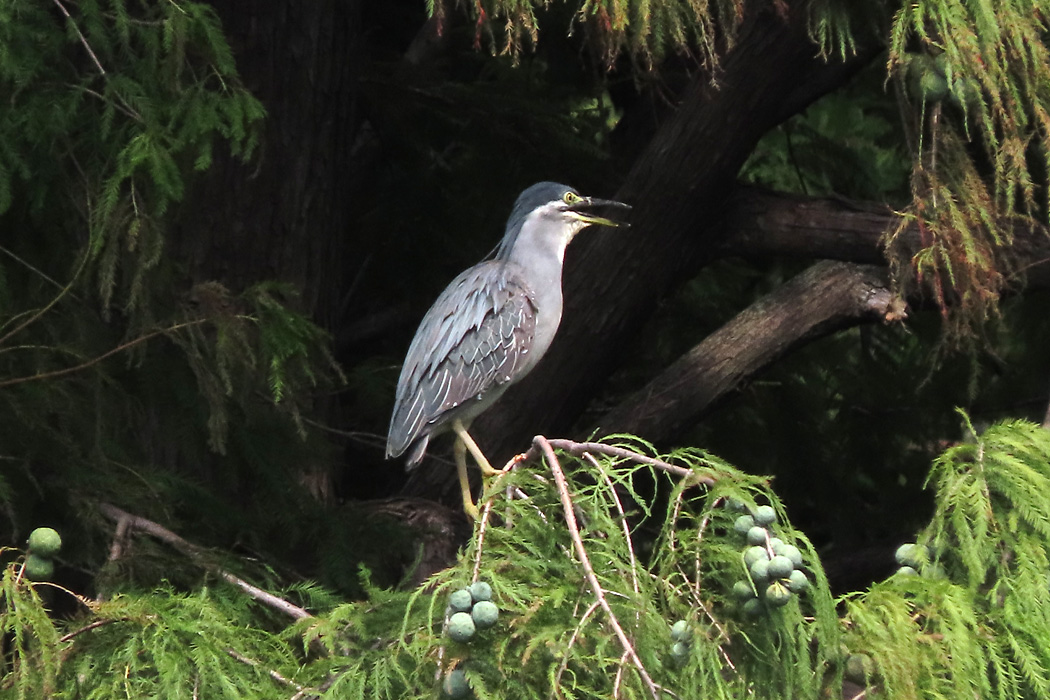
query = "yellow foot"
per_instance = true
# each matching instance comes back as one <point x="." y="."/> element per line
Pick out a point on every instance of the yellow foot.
<point x="468" y="442"/>
<point x="488" y="471"/>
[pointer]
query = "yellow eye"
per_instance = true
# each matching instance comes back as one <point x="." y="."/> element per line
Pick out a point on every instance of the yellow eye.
<point x="571" y="197"/>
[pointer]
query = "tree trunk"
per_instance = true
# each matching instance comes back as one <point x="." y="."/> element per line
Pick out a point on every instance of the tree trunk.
<point x="286" y="214"/>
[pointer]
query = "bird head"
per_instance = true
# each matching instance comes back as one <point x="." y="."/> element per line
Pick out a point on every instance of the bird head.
<point x="560" y="211"/>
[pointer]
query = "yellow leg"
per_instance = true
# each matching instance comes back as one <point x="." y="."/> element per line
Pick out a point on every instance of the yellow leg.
<point x="459" y="449"/>
<point x="468" y="442"/>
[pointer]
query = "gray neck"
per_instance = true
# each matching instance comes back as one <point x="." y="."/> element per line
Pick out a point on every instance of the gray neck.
<point x="541" y="261"/>
<point x="539" y="257"/>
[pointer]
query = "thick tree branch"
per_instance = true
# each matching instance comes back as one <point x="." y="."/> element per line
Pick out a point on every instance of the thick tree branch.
<point x="688" y="212"/>
<point x="763" y="223"/>
<point x="826" y="297"/>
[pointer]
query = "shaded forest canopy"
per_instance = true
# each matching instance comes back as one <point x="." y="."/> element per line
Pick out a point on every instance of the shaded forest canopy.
<point x="219" y="227"/>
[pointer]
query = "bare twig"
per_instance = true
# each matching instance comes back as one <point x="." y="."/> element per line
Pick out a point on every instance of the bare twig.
<point x="273" y="674"/>
<point x="618" y="679"/>
<point x="482" y="526"/>
<point x="37" y="348"/>
<point x="363" y="437"/>
<point x="83" y="40"/>
<point x="578" y="449"/>
<point x="675" y="512"/>
<point x="265" y="597"/>
<point x="509" y="493"/>
<point x="695" y="588"/>
<point x="574" y="532"/>
<point x="696" y="591"/>
<point x="119" y="104"/>
<point x="699" y="537"/>
<point x="441" y="654"/>
<point x="149" y="527"/>
<point x="47" y="307"/>
<point x="572" y="640"/>
<point x="95" y="360"/>
<point x="194" y="552"/>
<point x="87" y="628"/>
<point x="858" y="696"/>
<point x="622" y="516"/>
<point x="119" y="536"/>
<point x="320" y="689"/>
<point x="31" y="268"/>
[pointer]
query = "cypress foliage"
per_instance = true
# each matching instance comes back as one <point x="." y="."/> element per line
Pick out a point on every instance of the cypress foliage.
<point x="118" y="379"/>
<point x="593" y="559"/>
<point x="118" y="102"/>
<point x="977" y="615"/>
<point x="589" y="572"/>
<point x="974" y="76"/>
<point x="647" y="31"/>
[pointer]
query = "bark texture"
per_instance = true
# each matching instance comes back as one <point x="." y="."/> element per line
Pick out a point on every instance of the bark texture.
<point x="763" y="223"/>
<point x="827" y="297"/>
<point x="286" y="215"/>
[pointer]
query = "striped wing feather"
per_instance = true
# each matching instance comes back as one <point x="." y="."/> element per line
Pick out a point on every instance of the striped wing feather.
<point x="474" y="340"/>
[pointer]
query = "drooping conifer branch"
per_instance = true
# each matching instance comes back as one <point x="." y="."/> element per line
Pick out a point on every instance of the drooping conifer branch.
<point x="547" y="450"/>
<point x="55" y="374"/>
<point x="127" y="522"/>
<point x="270" y="672"/>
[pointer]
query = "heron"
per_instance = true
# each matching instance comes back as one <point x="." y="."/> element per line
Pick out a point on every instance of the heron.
<point x="489" y="328"/>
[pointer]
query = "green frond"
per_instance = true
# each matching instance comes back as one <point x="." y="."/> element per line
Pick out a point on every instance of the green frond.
<point x="291" y="344"/>
<point x="977" y="615"/>
<point x="34" y="639"/>
<point x="133" y="110"/>
<point x="984" y="618"/>
<point x="832" y="26"/>
<point x="648" y="30"/>
<point x="979" y="144"/>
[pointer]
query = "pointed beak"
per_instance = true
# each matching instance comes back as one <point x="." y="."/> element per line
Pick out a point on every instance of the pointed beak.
<point x="588" y="208"/>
